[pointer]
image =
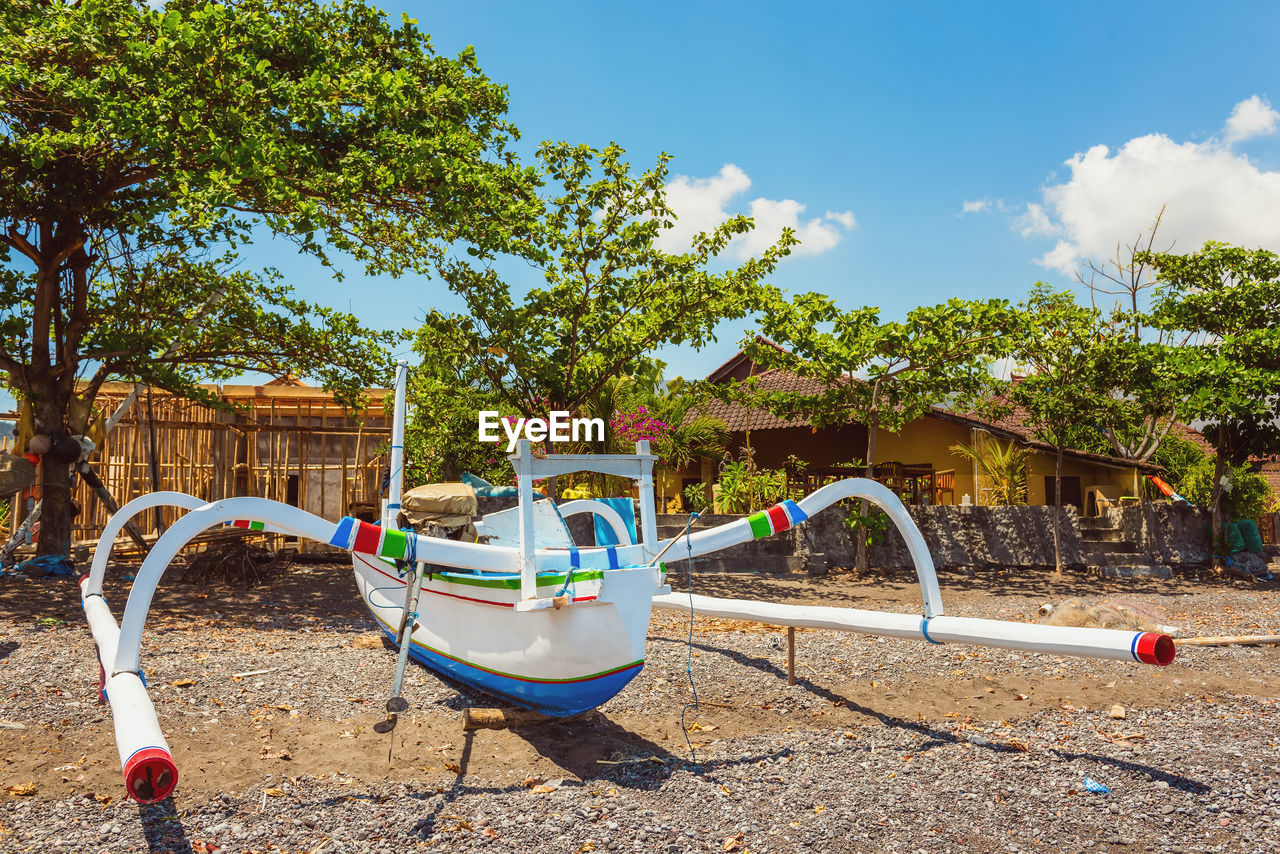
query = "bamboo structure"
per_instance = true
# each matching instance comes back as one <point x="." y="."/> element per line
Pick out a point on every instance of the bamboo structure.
<point x="284" y="441"/>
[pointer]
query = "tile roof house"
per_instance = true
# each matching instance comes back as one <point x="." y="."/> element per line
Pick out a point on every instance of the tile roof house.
<point x="923" y="446"/>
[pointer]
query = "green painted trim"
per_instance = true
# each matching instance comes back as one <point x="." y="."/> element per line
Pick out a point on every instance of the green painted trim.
<point x="513" y="582"/>
<point x="760" y="526"/>
<point x="394" y="544"/>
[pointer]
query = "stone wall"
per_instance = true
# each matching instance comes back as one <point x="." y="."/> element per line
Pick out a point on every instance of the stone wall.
<point x="1173" y="534"/>
<point x="958" y="537"/>
<point x="962" y="537"/>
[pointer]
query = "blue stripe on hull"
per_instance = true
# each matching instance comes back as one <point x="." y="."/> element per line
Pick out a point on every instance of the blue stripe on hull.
<point x="558" y="699"/>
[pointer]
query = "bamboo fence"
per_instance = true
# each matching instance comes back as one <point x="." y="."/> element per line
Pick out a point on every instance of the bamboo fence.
<point x="287" y="442"/>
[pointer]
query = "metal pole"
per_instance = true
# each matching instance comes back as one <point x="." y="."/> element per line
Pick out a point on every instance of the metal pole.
<point x="397" y="704"/>
<point x="396" y="457"/>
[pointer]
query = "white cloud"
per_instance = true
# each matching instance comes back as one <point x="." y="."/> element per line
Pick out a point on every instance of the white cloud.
<point x="978" y="206"/>
<point x="845" y="218"/>
<point x="1251" y="117"/>
<point x="701" y="204"/>
<point x="1207" y="190"/>
<point x="1034" y="221"/>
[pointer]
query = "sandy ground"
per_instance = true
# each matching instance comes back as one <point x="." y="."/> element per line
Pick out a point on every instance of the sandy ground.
<point x="306" y="722"/>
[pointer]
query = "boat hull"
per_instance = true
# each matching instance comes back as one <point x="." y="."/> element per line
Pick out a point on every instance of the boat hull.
<point x="558" y="662"/>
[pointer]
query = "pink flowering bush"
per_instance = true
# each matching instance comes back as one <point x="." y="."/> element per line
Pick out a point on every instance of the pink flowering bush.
<point x="638" y="425"/>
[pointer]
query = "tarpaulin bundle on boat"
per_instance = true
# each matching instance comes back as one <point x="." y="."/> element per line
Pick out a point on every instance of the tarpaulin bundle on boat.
<point x="450" y="506"/>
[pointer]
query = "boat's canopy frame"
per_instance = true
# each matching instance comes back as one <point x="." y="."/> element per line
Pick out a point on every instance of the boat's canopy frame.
<point x="637" y="467"/>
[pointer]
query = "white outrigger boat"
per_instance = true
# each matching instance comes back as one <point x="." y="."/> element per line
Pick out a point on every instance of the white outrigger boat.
<point x="539" y="622"/>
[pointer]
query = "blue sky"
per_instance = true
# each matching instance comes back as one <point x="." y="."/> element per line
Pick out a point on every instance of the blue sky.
<point x="900" y="115"/>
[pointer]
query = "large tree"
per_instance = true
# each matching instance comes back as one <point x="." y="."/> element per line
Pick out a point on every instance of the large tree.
<point x="1060" y="395"/>
<point x="1139" y="391"/>
<point x="138" y="145"/>
<point x="883" y="374"/>
<point x="610" y="297"/>
<point x="1231" y="380"/>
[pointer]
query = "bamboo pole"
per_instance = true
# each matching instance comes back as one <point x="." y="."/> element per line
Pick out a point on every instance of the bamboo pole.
<point x="1229" y="640"/>
<point x="791" y="655"/>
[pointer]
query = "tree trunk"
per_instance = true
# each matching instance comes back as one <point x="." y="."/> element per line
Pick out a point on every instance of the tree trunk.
<point x="1219" y="471"/>
<point x="55" y="478"/>
<point x="1057" y="514"/>
<point x="863" y="506"/>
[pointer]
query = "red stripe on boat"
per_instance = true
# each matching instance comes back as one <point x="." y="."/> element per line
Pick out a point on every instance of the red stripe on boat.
<point x="778" y="518"/>
<point x="240" y="523"/>
<point x="367" y="537"/>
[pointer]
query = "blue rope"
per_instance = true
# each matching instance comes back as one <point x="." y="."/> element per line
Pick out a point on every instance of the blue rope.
<point x="568" y="577"/>
<point x="688" y="668"/>
<point x="412" y="550"/>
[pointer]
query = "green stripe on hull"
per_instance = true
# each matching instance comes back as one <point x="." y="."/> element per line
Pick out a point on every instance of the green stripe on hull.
<point x="512" y="582"/>
<point x="760" y="526"/>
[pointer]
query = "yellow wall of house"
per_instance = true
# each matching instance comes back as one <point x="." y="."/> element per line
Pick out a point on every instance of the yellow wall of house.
<point x="928" y="440"/>
<point x="923" y="441"/>
<point x="1041" y="465"/>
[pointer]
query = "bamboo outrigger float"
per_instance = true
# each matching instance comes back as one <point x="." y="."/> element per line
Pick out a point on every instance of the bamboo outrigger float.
<point x="559" y="630"/>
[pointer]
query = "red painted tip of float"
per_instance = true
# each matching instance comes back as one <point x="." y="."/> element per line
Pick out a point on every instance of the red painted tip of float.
<point x="150" y="775"/>
<point x="80" y="582"/>
<point x="1155" y="648"/>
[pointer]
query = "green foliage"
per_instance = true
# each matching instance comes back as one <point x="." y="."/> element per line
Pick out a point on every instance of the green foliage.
<point x="695" y="499"/>
<point x="869" y="529"/>
<point x="939" y="353"/>
<point x="744" y="489"/>
<point x="139" y="148"/>
<point x="881" y="374"/>
<point x="610" y="294"/>
<point x="441" y="440"/>
<point x="1179" y="457"/>
<point x="1229" y="297"/>
<point x="1232" y="379"/>
<point x="1059" y="394"/>
<point x="1249" y="496"/>
<point x="1005" y="467"/>
<point x="1138" y="394"/>
<point x="182" y="125"/>
<point x="691" y="436"/>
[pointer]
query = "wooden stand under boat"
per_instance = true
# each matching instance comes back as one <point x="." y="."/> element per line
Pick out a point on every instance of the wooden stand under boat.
<point x="479" y="718"/>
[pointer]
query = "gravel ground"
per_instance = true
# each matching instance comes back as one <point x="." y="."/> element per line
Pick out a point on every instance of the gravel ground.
<point x="883" y="745"/>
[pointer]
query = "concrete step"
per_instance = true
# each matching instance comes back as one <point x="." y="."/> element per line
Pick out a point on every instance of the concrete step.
<point x="1096" y="523"/>
<point x="1101" y="535"/>
<point x="1136" y="571"/>
<point x="1106" y="558"/>
<point x="1110" y="547"/>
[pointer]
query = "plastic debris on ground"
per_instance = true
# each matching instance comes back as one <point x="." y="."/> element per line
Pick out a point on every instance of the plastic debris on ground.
<point x="1092" y="785"/>
<point x="53" y="566"/>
